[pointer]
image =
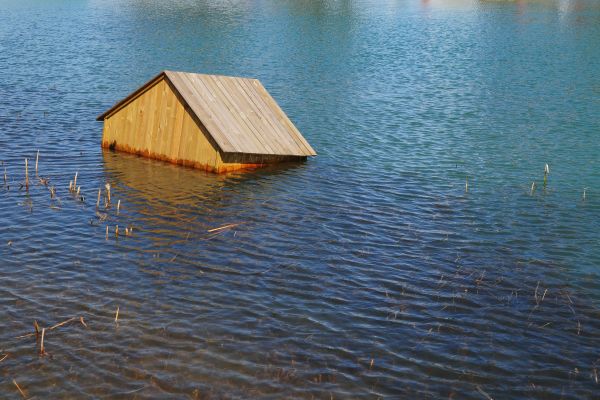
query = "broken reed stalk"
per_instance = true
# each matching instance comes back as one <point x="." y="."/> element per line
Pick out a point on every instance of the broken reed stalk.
<point x="75" y="180"/>
<point x="26" y="175"/>
<point x="106" y="232"/>
<point x="117" y="315"/>
<point x="19" y="389"/>
<point x="532" y="189"/>
<point x="117" y="231"/>
<point x="118" y="206"/>
<point x="584" y="189"/>
<point x="37" y="157"/>
<point x="467" y="185"/>
<point x="37" y="328"/>
<point x="546" y="173"/>
<point x="98" y="201"/>
<point x="3" y="358"/>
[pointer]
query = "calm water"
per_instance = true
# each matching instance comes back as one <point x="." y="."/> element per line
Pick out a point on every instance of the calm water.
<point x="367" y="272"/>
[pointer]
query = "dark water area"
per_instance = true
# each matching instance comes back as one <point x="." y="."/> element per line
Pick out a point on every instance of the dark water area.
<point x="366" y="272"/>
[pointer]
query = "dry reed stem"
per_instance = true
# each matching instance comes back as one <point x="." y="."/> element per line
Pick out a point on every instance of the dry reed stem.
<point x="26" y="175"/>
<point x="118" y="206"/>
<point x="37" y="157"/>
<point x="6" y="178"/>
<point x="62" y="323"/>
<point x="98" y="201"/>
<point x="19" y="389"/>
<point x="82" y="322"/>
<point x="37" y="327"/>
<point x="117" y="231"/>
<point x="3" y="358"/>
<point x="75" y="180"/>
<point x="42" y="352"/>
<point x="117" y="315"/>
<point x="223" y="227"/>
<point x="544" y="295"/>
<point x="107" y="186"/>
<point x="106" y="232"/>
<point x="480" y="390"/>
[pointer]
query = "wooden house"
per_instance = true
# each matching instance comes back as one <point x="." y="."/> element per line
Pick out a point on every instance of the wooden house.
<point x="215" y="123"/>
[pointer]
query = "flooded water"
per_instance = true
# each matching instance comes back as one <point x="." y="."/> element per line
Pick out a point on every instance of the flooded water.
<point x="367" y="272"/>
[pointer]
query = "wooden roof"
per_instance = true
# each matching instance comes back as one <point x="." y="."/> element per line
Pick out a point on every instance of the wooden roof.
<point x="239" y="113"/>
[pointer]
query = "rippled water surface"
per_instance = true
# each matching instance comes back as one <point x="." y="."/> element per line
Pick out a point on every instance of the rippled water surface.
<point x="366" y="272"/>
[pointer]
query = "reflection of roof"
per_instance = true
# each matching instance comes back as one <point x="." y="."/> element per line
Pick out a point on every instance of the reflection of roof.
<point x="238" y="113"/>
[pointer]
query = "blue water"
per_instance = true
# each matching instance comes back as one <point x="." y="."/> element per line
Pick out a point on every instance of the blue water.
<point x="370" y="271"/>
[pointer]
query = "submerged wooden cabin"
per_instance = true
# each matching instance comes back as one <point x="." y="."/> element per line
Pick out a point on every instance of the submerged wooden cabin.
<point x="215" y="123"/>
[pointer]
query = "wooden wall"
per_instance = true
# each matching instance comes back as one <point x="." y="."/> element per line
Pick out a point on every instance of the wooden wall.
<point x="158" y="125"/>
